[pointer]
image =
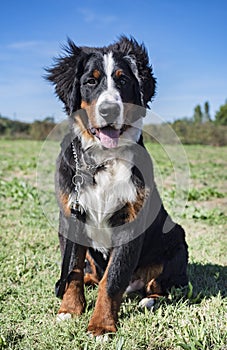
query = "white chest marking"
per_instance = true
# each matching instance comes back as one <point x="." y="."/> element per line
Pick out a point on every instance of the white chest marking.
<point x="113" y="189"/>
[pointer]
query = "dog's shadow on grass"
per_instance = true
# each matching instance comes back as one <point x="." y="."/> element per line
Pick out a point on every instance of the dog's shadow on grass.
<point x="208" y="279"/>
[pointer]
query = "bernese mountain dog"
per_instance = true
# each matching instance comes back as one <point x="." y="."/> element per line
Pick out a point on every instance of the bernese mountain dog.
<point x="114" y="230"/>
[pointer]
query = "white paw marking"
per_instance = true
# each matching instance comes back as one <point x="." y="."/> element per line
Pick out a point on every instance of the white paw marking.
<point x="99" y="338"/>
<point x="147" y="302"/>
<point x="102" y="338"/>
<point x="63" y="317"/>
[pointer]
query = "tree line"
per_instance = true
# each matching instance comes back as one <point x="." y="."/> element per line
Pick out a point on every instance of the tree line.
<point x="38" y="130"/>
<point x="199" y="129"/>
<point x="203" y="116"/>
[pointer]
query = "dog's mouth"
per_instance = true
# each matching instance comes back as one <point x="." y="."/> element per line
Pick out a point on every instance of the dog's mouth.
<point x="108" y="136"/>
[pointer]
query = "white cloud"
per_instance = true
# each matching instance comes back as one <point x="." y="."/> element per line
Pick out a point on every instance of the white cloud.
<point x="21" y="45"/>
<point x="39" y="48"/>
<point x="90" y="16"/>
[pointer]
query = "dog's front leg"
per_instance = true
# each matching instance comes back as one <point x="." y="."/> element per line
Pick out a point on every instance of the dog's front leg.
<point x="104" y="317"/>
<point x="73" y="302"/>
<point x="122" y="263"/>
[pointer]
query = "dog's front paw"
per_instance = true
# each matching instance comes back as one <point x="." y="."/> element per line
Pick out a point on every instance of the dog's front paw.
<point x="69" y="310"/>
<point x="99" y="325"/>
<point x="100" y="338"/>
<point x="73" y="302"/>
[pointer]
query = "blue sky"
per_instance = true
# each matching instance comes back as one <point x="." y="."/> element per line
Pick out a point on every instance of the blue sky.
<point x="186" y="41"/>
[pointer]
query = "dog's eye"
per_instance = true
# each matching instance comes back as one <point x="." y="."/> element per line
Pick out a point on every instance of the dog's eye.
<point x="91" y="81"/>
<point x="122" y="82"/>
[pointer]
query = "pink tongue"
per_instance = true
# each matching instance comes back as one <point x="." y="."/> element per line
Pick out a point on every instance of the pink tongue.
<point x="109" y="137"/>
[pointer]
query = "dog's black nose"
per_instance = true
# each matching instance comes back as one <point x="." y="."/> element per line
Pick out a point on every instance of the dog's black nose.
<point x="109" y="110"/>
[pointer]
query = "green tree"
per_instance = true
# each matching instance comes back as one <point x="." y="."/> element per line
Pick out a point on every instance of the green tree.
<point x="198" y="115"/>
<point x="49" y="119"/>
<point x="206" y="115"/>
<point x="221" y="115"/>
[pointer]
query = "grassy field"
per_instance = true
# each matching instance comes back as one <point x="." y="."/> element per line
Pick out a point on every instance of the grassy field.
<point x="190" y="319"/>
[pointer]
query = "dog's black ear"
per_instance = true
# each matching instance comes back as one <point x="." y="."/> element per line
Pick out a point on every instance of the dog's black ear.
<point x="139" y="55"/>
<point x="65" y="75"/>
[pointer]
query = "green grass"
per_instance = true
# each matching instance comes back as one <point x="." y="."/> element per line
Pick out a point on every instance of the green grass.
<point x="192" y="319"/>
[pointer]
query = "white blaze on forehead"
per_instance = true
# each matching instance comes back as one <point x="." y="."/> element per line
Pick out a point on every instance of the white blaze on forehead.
<point x="110" y="94"/>
<point x="108" y="68"/>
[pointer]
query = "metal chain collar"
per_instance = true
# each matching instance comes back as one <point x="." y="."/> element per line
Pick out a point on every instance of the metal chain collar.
<point x="77" y="180"/>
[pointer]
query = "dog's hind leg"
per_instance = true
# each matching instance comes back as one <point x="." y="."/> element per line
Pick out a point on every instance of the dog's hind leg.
<point x="147" y="279"/>
<point x="175" y="270"/>
<point x="91" y="276"/>
<point x="172" y="273"/>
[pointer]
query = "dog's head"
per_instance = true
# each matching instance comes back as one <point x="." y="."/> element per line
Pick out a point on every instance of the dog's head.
<point x="105" y="90"/>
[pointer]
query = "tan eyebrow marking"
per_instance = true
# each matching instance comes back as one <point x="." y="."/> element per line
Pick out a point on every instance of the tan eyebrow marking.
<point x="118" y="73"/>
<point x="96" y="74"/>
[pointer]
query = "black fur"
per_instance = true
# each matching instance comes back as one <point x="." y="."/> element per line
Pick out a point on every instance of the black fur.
<point x="162" y="242"/>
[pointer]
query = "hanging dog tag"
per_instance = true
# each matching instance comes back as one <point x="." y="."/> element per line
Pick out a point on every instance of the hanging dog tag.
<point x="76" y="208"/>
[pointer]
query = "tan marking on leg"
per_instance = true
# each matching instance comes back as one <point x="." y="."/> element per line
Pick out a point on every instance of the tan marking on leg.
<point x="73" y="300"/>
<point x="153" y="289"/>
<point x="149" y="275"/>
<point x="91" y="278"/>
